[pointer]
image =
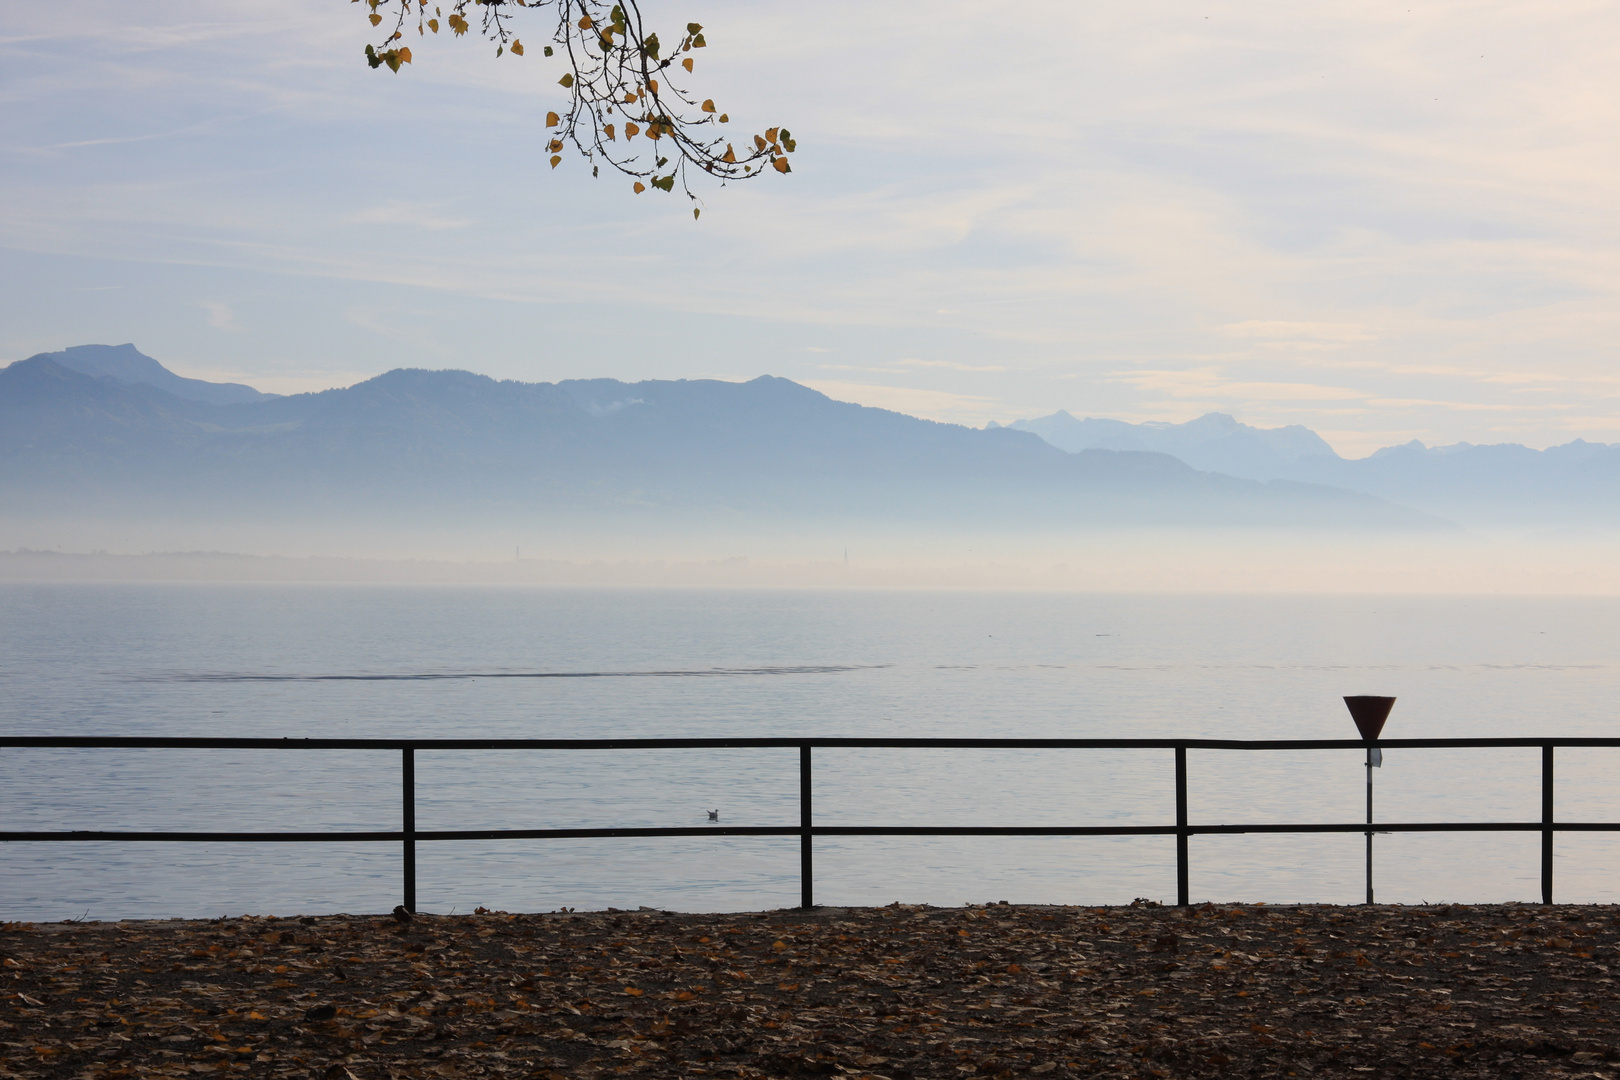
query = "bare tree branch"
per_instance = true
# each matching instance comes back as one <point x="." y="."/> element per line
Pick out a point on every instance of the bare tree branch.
<point x="626" y="107"/>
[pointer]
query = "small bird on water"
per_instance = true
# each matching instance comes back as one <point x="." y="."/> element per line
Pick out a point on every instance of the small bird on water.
<point x="714" y="815"/>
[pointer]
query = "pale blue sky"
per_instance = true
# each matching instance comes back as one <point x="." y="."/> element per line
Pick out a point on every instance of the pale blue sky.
<point x="1383" y="221"/>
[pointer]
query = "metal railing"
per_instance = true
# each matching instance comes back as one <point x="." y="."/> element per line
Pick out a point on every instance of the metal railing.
<point x="409" y="835"/>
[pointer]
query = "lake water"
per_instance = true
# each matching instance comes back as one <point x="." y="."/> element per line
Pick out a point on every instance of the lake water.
<point x="256" y="661"/>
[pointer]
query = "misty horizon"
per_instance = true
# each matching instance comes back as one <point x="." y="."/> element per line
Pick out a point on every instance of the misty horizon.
<point x="911" y="516"/>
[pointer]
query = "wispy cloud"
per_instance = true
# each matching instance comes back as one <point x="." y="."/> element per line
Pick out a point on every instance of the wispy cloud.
<point x="1214" y="384"/>
<point x="1279" y="330"/>
<point x="221" y="317"/>
<point x="403" y="327"/>
<point x="947" y="365"/>
<point x="415" y="215"/>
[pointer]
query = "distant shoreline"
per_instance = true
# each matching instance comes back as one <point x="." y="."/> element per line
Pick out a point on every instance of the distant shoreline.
<point x="1124" y="564"/>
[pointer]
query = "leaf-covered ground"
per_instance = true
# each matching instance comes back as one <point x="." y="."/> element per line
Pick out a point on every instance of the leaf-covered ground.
<point x="899" y="992"/>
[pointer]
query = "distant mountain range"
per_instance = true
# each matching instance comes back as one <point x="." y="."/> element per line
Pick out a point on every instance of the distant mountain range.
<point x="1576" y="484"/>
<point x="1505" y="484"/>
<point x="1212" y="443"/>
<point x="128" y="365"/>
<point x="109" y="433"/>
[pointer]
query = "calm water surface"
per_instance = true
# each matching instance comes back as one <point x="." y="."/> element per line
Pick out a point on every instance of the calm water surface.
<point x="437" y="661"/>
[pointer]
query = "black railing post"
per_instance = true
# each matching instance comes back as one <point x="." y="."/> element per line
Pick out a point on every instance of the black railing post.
<point x="408" y="776"/>
<point x="1546" y="822"/>
<point x="807" y="898"/>
<point x="1181" y="826"/>
<point x="1369" y="823"/>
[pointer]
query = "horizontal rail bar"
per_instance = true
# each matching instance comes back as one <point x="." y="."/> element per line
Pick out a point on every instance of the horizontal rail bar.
<point x="815" y="830"/>
<point x="110" y="742"/>
<point x="805" y="831"/>
<point x="372" y="836"/>
<point x="205" y="837"/>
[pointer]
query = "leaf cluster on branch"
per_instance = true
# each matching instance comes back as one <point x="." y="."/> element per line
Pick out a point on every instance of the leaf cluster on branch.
<point x="627" y="107"/>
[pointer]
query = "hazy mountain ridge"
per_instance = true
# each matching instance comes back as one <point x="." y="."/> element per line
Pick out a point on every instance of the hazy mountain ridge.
<point x="1214" y="442"/>
<point x="128" y="365"/>
<point x="462" y="446"/>
<point x="1577" y="483"/>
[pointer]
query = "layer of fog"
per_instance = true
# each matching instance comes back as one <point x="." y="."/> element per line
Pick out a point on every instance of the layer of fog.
<point x="1139" y="560"/>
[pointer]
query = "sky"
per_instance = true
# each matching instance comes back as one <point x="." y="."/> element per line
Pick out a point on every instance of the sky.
<point x="1385" y="222"/>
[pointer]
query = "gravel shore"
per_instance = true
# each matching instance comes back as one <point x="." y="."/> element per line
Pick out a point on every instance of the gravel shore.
<point x="896" y="992"/>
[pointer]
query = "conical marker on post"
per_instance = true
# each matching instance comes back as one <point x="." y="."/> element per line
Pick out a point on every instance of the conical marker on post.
<point x="1370" y="713"/>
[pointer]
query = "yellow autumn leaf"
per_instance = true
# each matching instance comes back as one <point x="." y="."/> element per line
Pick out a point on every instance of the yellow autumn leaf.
<point x="585" y="22"/>
<point x="631" y="130"/>
<point x="759" y="142"/>
<point x="556" y="159"/>
<point x="725" y="119"/>
<point x="731" y="155"/>
<point x="517" y="47"/>
<point x="552" y="119"/>
<point x="770" y="134"/>
<point x="695" y="213"/>
<point x="687" y="63"/>
<point x="609" y="129"/>
<point x="708" y="105"/>
<point x="433" y="25"/>
<point x="634" y="992"/>
<point x="640" y="187"/>
<point x="375" y="18"/>
<point x="567" y="81"/>
<point x="652" y="85"/>
<point x="781" y="165"/>
<point x="555" y="145"/>
<point x="405" y="54"/>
